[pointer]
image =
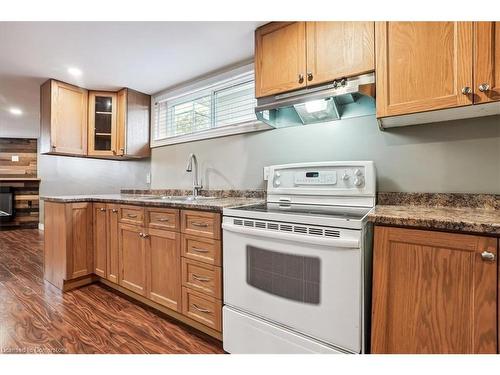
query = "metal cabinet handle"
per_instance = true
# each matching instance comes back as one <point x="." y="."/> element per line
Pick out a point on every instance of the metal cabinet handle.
<point x="301" y="78"/>
<point x="309" y="76"/>
<point x="141" y="234"/>
<point x="102" y="209"/>
<point x="132" y="216"/>
<point x="200" y="278"/>
<point x="114" y="210"/>
<point x="200" y="309"/>
<point x="483" y="87"/>
<point x="163" y="219"/>
<point x="198" y="250"/>
<point x="200" y="225"/>
<point x="466" y="90"/>
<point x="486" y="255"/>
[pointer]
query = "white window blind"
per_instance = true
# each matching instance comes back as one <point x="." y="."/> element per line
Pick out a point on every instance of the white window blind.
<point x="224" y="107"/>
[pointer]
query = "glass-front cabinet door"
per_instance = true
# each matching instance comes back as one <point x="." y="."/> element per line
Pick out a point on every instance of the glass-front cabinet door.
<point x="102" y="123"/>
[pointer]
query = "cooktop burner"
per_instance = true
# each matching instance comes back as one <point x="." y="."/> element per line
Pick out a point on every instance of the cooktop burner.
<point x="347" y="213"/>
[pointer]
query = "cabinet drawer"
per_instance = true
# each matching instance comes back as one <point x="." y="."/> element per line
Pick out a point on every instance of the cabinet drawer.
<point x="204" y="309"/>
<point x="162" y="218"/>
<point x="202" y="249"/>
<point x="132" y="215"/>
<point x="200" y="223"/>
<point x="202" y="277"/>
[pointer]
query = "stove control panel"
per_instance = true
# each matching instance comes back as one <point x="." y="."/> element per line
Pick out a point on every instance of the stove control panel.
<point x="315" y="178"/>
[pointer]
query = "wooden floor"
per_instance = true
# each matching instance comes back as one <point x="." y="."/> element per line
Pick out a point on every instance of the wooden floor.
<point x="35" y="317"/>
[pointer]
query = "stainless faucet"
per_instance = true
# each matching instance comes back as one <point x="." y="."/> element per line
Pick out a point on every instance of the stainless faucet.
<point x="197" y="186"/>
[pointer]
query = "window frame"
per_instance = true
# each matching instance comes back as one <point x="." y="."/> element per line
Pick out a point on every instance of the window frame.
<point x="196" y="90"/>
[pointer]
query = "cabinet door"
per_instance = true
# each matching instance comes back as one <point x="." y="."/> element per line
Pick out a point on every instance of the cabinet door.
<point x="132" y="258"/>
<point x="339" y="49"/>
<point x="80" y="254"/>
<point x="433" y="292"/>
<point x="422" y="66"/>
<point x="102" y="124"/>
<point x="164" y="268"/>
<point x="486" y="61"/>
<point x="112" y="259"/>
<point x="100" y="239"/>
<point x="68" y="119"/>
<point x="280" y="57"/>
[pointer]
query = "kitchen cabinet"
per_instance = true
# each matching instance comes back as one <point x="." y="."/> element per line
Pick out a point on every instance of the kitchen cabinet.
<point x="112" y="238"/>
<point x="423" y="66"/>
<point x="102" y="124"/>
<point x="132" y="258"/>
<point x="63" y="119"/>
<point x="293" y="55"/>
<point x="433" y="292"/>
<point x="100" y="239"/>
<point x="164" y="267"/>
<point x="68" y="247"/>
<point x="339" y="49"/>
<point x="167" y="258"/>
<point x="486" y="62"/>
<point x="97" y="124"/>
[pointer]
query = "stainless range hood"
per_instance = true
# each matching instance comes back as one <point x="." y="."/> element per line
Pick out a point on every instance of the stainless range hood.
<point x="345" y="98"/>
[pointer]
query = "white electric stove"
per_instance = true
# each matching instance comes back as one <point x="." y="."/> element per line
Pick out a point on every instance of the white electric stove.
<point x="297" y="268"/>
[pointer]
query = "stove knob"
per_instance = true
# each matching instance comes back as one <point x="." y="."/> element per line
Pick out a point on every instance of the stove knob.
<point x="358" y="172"/>
<point x="345" y="177"/>
<point x="358" y="181"/>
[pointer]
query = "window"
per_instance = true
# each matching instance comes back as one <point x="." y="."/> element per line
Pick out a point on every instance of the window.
<point x="223" y="106"/>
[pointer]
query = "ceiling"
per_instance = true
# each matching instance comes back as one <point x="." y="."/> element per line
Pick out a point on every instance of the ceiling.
<point x="146" y="56"/>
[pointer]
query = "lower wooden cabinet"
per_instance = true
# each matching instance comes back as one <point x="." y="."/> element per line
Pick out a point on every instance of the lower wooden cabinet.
<point x="68" y="243"/>
<point x="100" y="239"/>
<point x="164" y="267"/>
<point x="433" y="292"/>
<point x="132" y="258"/>
<point x="202" y="308"/>
<point x="113" y="230"/>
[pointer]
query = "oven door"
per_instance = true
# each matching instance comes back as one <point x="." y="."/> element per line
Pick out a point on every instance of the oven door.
<point x="311" y="285"/>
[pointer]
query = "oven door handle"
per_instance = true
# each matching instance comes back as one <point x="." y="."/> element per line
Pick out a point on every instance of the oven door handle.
<point x="321" y="241"/>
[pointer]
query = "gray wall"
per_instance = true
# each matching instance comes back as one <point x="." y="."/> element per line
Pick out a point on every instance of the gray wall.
<point x="455" y="156"/>
<point x="62" y="175"/>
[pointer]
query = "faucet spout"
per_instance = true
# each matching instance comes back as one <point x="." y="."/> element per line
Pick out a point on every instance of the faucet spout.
<point x="192" y="167"/>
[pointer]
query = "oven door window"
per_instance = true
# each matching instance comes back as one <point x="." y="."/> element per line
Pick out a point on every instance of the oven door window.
<point x="293" y="277"/>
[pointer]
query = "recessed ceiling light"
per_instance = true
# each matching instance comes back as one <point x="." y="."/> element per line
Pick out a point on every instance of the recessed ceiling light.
<point x="75" y="72"/>
<point x="15" y="111"/>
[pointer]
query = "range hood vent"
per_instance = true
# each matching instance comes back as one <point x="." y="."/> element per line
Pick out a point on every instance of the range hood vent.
<point x="345" y="98"/>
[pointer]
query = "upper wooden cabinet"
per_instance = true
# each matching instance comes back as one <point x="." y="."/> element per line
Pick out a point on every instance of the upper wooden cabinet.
<point x="292" y="55"/>
<point x="97" y="124"/>
<point x="339" y="49"/>
<point x="422" y="66"/>
<point x="433" y="292"/>
<point x="102" y="136"/>
<point x="63" y="119"/>
<point x="280" y="57"/>
<point x="486" y="61"/>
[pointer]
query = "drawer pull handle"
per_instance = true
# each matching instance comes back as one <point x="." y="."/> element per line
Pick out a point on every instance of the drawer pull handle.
<point x="162" y="219"/>
<point x="197" y="250"/>
<point x="102" y="209"/>
<point x="200" y="278"/>
<point x="114" y="210"/>
<point x="200" y="225"/>
<point x="486" y="255"/>
<point x="132" y="215"/>
<point x="200" y="309"/>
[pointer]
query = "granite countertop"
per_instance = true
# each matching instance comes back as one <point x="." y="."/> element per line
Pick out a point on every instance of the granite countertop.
<point x="206" y="203"/>
<point x="473" y="213"/>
